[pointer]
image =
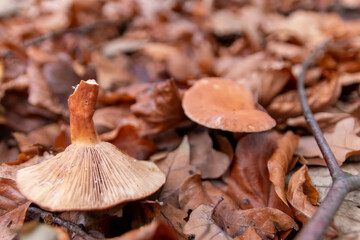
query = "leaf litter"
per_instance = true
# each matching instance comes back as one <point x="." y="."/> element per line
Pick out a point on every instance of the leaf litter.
<point x="222" y="182"/>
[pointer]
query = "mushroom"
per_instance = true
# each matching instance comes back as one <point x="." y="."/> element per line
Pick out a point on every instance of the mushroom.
<point x="89" y="174"/>
<point x="224" y="104"/>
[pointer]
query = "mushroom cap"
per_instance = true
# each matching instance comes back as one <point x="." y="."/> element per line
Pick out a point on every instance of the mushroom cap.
<point x="225" y="104"/>
<point x="89" y="177"/>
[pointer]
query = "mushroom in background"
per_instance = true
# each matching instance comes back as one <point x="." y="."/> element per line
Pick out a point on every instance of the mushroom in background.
<point x="89" y="174"/>
<point x="224" y="104"/>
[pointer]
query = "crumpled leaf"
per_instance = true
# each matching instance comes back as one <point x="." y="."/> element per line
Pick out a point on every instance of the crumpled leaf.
<point x="44" y="135"/>
<point x="281" y="162"/>
<point x="161" y="104"/>
<point x="202" y="226"/>
<point x="266" y="222"/>
<point x="319" y="96"/>
<point x="342" y="140"/>
<point x="110" y="74"/>
<point x="60" y="77"/>
<point x="177" y="169"/>
<point x="145" y="212"/>
<point x="152" y="231"/>
<point x="303" y="197"/>
<point x="325" y="120"/>
<point x="195" y="192"/>
<point x="249" y="234"/>
<point x="249" y="182"/>
<point x="210" y="162"/>
<point x="264" y="75"/>
<point x="126" y="138"/>
<point x="347" y="218"/>
<point x="13" y="208"/>
<point x="39" y="91"/>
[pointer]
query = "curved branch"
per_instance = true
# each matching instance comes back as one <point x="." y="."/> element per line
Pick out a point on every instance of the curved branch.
<point x="343" y="182"/>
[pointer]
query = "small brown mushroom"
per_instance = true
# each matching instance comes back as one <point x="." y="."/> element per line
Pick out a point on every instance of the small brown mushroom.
<point x="89" y="174"/>
<point x="224" y="104"/>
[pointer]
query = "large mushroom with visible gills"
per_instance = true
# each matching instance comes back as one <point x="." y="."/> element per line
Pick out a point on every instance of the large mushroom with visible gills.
<point x="89" y="174"/>
<point x="225" y="104"/>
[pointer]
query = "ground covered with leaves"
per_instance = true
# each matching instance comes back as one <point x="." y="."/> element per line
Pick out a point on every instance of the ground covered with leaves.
<point x="231" y="172"/>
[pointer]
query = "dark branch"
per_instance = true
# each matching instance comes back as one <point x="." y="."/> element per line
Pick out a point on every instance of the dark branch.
<point x="343" y="182"/>
<point x="34" y="212"/>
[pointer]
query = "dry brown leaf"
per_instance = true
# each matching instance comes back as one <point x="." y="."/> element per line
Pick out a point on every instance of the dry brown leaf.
<point x="123" y="94"/>
<point x="45" y="136"/>
<point x="210" y="162"/>
<point x="249" y="234"/>
<point x="202" y="226"/>
<point x="153" y="231"/>
<point x="267" y="222"/>
<point x="39" y="91"/>
<point x="194" y="193"/>
<point x="177" y="169"/>
<point x="347" y="218"/>
<point x="110" y="74"/>
<point x="161" y="104"/>
<point x="60" y="76"/>
<point x="8" y="154"/>
<point x="264" y="75"/>
<point x="249" y="182"/>
<point x="13" y="208"/>
<point x="292" y="52"/>
<point x="319" y="96"/>
<point x="127" y="139"/>
<point x="281" y="162"/>
<point x="342" y="140"/>
<point x="326" y="120"/>
<point x="110" y="118"/>
<point x="301" y="195"/>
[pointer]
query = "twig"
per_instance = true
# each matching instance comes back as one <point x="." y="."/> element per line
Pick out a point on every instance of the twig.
<point x="34" y="212"/>
<point x="343" y="182"/>
<point x="75" y="30"/>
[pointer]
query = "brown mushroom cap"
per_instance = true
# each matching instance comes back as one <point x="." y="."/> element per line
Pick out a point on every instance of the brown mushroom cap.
<point x="89" y="174"/>
<point x="224" y="104"/>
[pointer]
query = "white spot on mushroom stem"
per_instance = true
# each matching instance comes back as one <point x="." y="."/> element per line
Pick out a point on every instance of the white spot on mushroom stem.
<point x="251" y="127"/>
<point x="216" y="86"/>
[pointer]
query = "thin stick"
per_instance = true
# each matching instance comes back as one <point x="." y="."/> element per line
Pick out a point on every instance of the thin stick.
<point x="34" y="212"/>
<point x="335" y="170"/>
<point x="343" y="182"/>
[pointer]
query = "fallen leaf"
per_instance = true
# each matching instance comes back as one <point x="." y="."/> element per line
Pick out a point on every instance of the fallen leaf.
<point x="161" y="104"/>
<point x="281" y="162"/>
<point x="342" y="140"/>
<point x="195" y="192"/>
<point x="202" y="226"/>
<point x="153" y="231"/>
<point x="303" y="198"/>
<point x="249" y="182"/>
<point x="347" y="218"/>
<point x="177" y="169"/>
<point x="45" y="136"/>
<point x="8" y="154"/>
<point x="39" y="91"/>
<point x="325" y="120"/>
<point x="319" y="96"/>
<point x="127" y="139"/>
<point x="210" y="162"/>
<point x="267" y="222"/>
<point x="61" y="77"/>
<point x="249" y="234"/>
<point x="13" y="208"/>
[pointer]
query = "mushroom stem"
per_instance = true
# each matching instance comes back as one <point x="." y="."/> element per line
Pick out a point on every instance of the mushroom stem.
<point x="82" y="105"/>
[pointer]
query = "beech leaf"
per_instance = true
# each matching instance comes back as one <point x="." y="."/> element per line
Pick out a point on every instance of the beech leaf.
<point x="281" y="162"/>
<point x="13" y="207"/>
